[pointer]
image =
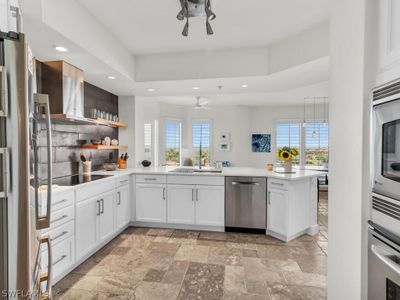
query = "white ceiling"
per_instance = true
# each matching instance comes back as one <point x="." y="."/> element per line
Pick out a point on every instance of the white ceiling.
<point x="150" y="26"/>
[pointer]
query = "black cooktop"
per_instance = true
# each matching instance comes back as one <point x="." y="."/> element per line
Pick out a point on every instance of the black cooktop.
<point x="78" y="179"/>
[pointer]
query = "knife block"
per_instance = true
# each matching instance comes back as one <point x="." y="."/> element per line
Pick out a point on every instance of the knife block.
<point x="122" y="163"/>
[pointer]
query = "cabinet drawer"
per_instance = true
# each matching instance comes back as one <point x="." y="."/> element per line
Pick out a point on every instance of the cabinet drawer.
<point x="63" y="257"/>
<point x="60" y="199"/>
<point x="61" y="217"/>
<point x="121" y="181"/>
<point x="196" y="179"/>
<point x="278" y="184"/>
<point x="151" y="178"/>
<point x="61" y="232"/>
<point x="94" y="189"/>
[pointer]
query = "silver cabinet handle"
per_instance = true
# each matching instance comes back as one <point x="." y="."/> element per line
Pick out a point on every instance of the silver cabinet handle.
<point x="60" y="259"/>
<point x="42" y="100"/>
<point x="244" y="183"/>
<point x="124" y="181"/>
<point x="163" y="193"/>
<point x="5" y="172"/>
<point x="98" y="208"/>
<point x="102" y="205"/>
<point x="3" y="92"/>
<point x="385" y="259"/>
<point x="150" y="179"/>
<point x="60" y="202"/>
<point x="192" y="194"/>
<point x="119" y="198"/>
<point x="47" y="276"/>
<point x="269" y="198"/>
<point x="59" y="219"/>
<point x="277" y="183"/>
<point x="197" y="194"/>
<point x="58" y="236"/>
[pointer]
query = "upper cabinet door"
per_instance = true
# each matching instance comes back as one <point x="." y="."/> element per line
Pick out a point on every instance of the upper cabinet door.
<point x="181" y="204"/>
<point x="151" y="203"/>
<point x="210" y="205"/>
<point x="106" y="222"/>
<point x="122" y="207"/>
<point x="389" y="37"/>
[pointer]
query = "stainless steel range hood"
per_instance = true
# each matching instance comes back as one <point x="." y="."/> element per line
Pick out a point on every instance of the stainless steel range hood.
<point x="64" y="84"/>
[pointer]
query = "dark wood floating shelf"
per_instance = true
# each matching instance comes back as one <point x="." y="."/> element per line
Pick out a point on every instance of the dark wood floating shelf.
<point x="103" y="147"/>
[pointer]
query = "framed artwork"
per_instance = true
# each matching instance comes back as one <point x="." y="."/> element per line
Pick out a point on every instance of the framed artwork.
<point x="225" y="136"/>
<point x="224" y="147"/>
<point x="261" y="142"/>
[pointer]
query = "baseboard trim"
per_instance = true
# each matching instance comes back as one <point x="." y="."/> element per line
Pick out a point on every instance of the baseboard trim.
<point x="178" y="226"/>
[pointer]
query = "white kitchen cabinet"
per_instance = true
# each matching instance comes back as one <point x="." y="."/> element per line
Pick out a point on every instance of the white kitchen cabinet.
<point x="122" y="216"/>
<point x="86" y="219"/>
<point x="210" y="205"/>
<point x="276" y="210"/>
<point x="151" y="203"/>
<point x="389" y="40"/>
<point x="106" y="218"/>
<point x="181" y="202"/>
<point x="292" y="207"/>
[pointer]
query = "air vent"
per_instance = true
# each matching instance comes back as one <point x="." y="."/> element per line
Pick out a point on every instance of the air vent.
<point x="388" y="208"/>
<point x="387" y="91"/>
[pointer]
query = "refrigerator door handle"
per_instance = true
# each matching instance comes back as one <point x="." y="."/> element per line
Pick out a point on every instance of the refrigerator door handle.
<point x="47" y="276"/>
<point x="42" y="100"/>
<point x="5" y="172"/>
<point x="3" y="92"/>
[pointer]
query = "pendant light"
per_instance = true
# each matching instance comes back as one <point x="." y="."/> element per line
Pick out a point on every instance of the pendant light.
<point x="314" y="133"/>
<point x="304" y="113"/>
<point x="325" y="116"/>
<point x="196" y="8"/>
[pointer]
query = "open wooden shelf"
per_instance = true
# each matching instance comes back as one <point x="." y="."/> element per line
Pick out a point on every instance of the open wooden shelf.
<point x="111" y="123"/>
<point x="103" y="147"/>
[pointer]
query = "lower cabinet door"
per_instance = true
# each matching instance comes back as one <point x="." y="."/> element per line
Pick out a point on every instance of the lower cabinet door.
<point x="210" y="205"/>
<point x="106" y="220"/>
<point x="122" y="207"/>
<point x="63" y="258"/>
<point x="277" y="211"/>
<point x="151" y="203"/>
<point x="86" y="219"/>
<point x="180" y="204"/>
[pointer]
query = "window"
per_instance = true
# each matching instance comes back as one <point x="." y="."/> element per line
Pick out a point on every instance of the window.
<point x="288" y="134"/>
<point x="147" y="137"/>
<point x="173" y="135"/>
<point x="317" y="144"/>
<point x="201" y="142"/>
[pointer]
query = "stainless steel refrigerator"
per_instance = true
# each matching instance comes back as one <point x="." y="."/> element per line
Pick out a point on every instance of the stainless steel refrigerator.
<point x="25" y="171"/>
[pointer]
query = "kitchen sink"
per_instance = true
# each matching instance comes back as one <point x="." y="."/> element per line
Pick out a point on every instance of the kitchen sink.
<point x="191" y="170"/>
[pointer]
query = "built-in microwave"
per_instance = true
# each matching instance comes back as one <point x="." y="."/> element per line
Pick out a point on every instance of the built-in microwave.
<point x="386" y="140"/>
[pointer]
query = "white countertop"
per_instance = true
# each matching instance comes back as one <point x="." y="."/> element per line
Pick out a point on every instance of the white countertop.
<point x="231" y="171"/>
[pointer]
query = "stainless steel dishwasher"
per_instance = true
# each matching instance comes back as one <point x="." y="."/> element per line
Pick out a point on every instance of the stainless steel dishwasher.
<point x="246" y="204"/>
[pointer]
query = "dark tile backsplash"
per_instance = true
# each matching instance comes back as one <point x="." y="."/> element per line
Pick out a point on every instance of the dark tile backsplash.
<point x="67" y="141"/>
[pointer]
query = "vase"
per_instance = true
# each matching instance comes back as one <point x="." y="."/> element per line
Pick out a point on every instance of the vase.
<point x="288" y="166"/>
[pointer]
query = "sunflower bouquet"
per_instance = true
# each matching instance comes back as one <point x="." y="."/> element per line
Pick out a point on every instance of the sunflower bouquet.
<point x="287" y="153"/>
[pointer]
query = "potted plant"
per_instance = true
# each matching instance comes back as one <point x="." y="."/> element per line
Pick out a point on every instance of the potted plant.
<point x="286" y="154"/>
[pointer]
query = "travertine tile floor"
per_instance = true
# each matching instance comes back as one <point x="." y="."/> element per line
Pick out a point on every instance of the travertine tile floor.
<point x="169" y="264"/>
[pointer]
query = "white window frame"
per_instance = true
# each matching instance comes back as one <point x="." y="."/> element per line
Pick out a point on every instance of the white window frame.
<point x="165" y="138"/>
<point x="210" y="122"/>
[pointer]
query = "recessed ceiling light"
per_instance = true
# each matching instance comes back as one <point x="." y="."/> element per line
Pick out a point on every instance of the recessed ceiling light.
<point x="195" y="88"/>
<point x="245" y="85"/>
<point x="151" y="90"/>
<point x="111" y="77"/>
<point x="61" y="48"/>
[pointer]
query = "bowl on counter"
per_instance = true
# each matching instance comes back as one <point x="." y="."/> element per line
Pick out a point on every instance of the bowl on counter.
<point x="96" y="142"/>
<point x="110" y="166"/>
<point x="146" y="163"/>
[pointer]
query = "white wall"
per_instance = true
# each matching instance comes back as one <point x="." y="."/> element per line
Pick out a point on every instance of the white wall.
<point x="240" y="121"/>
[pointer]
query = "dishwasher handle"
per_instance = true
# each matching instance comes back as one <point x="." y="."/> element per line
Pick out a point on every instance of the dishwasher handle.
<point x="245" y="183"/>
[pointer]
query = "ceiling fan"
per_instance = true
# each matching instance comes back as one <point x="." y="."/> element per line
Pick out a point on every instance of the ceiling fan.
<point x="201" y="104"/>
